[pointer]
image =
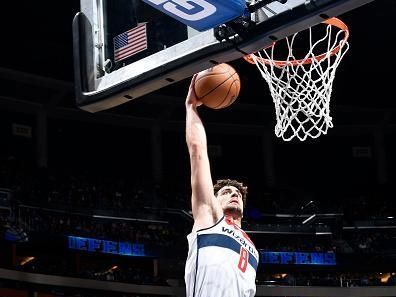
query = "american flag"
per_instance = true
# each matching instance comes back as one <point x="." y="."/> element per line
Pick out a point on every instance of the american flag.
<point x="130" y="42"/>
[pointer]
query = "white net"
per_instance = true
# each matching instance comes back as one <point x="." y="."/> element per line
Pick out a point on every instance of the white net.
<point x="301" y="87"/>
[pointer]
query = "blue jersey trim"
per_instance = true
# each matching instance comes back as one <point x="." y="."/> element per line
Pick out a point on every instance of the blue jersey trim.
<point x="196" y="272"/>
<point x="224" y="241"/>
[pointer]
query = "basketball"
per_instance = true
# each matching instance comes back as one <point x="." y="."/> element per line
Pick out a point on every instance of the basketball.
<point x="217" y="87"/>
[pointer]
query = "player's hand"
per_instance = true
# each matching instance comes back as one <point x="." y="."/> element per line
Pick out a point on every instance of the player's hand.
<point x="192" y="99"/>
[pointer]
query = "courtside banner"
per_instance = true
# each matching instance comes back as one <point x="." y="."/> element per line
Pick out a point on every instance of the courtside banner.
<point x="200" y="14"/>
<point x="106" y="246"/>
<point x="298" y="258"/>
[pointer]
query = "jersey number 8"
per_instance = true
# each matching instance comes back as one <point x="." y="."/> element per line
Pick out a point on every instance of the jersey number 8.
<point x="243" y="259"/>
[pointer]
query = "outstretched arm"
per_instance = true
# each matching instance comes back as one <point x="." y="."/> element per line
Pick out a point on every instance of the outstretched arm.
<point x="206" y="209"/>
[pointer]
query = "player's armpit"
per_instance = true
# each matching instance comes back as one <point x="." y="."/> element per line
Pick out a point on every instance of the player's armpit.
<point x="205" y="216"/>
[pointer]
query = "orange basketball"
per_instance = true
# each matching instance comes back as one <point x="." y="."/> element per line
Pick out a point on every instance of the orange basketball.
<point x="217" y="87"/>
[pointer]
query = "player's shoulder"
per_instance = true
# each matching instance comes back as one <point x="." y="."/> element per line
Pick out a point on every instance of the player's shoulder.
<point x="204" y="225"/>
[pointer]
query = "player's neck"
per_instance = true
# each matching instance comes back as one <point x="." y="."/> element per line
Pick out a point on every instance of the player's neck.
<point x="237" y="220"/>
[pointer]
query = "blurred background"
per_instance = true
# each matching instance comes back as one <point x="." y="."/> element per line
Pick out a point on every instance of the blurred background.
<point x="106" y="196"/>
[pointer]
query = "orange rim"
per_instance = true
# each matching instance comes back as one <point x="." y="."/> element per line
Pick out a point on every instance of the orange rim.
<point x="333" y="22"/>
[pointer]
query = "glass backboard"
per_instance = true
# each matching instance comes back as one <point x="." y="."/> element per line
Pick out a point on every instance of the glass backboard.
<point x="110" y="70"/>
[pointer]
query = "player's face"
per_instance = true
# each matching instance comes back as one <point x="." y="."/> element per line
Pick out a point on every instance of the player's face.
<point x="230" y="199"/>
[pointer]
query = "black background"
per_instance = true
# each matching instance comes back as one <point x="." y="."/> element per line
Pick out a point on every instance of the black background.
<point x="36" y="39"/>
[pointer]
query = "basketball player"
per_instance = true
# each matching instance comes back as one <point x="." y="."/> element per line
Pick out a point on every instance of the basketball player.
<point x="222" y="260"/>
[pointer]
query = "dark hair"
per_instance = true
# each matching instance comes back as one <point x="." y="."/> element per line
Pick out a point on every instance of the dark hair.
<point x="231" y="182"/>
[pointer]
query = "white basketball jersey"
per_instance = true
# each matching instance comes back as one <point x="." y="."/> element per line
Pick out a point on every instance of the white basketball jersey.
<point x="221" y="262"/>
